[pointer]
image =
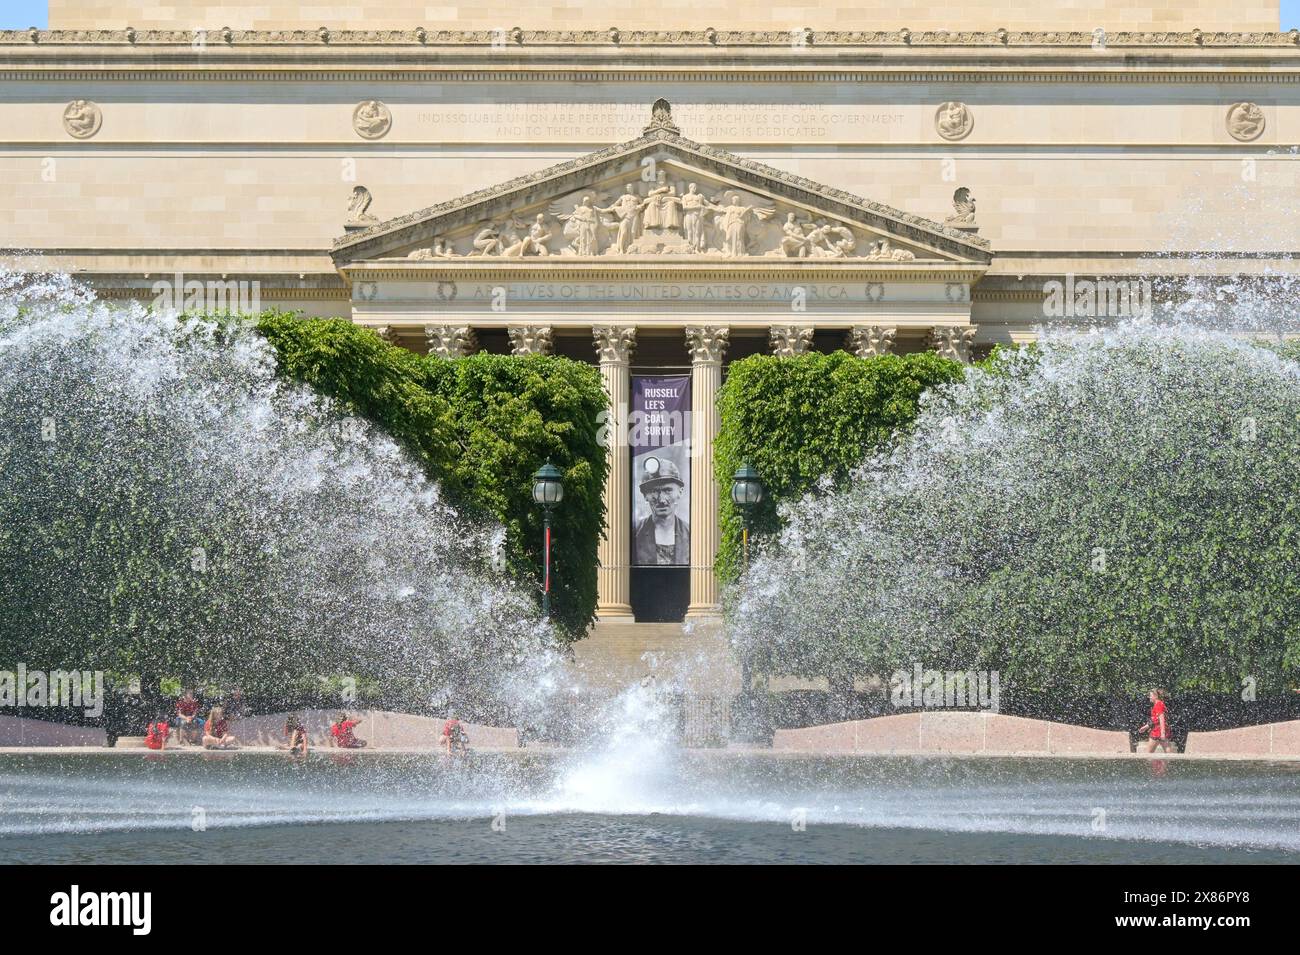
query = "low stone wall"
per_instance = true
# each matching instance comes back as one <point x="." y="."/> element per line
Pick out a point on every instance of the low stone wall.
<point x="1267" y="739"/>
<point x="21" y="731"/>
<point x="381" y="729"/>
<point x="951" y="733"/>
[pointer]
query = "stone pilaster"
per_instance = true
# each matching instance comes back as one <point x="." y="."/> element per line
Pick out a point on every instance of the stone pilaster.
<point x="450" y="341"/>
<point x="530" y="339"/>
<point x="706" y="344"/>
<point x="868" y="341"/>
<point x="953" y="341"/>
<point x="790" y="340"/>
<point x="614" y="344"/>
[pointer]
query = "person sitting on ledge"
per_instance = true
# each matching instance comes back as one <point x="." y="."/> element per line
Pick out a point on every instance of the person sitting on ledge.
<point x="1159" y="723"/>
<point x="296" y="734"/>
<point x="155" y="736"/>
<point x="454" y="738"/>
<point x="189" y="725"/>
<point x="341" y="733"/>
<point x="216" y="731"/>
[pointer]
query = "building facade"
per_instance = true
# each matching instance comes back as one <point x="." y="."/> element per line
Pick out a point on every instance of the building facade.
<point x="660" y="197"/>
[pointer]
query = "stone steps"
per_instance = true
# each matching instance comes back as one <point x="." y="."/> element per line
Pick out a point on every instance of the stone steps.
<point x="615" y="654"/>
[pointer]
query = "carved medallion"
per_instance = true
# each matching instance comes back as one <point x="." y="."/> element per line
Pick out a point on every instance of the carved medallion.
<point x="1245" y="122"/>
<point x="82" y="119"/>
<point x="954" y="121"/>
<point x="372" y="119"/>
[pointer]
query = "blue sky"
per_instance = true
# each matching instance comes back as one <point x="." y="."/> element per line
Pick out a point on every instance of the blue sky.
<point x="16" y="14"/>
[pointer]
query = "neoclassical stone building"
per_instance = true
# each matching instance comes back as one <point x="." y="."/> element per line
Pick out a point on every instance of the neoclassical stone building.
<point x="695" y="184"/>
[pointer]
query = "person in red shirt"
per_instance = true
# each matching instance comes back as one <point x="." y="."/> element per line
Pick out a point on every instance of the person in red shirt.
<point x="454" y="736"/>
<point x="155" y="736"/>
<point x="341" y="733"/>
<point x="216" y="731"/>
<point x="188" y="724"/>
<point x="1159" y="723"/>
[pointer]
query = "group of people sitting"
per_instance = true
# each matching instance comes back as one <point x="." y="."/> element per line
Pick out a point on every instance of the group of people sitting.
<point x="213" y="732"/>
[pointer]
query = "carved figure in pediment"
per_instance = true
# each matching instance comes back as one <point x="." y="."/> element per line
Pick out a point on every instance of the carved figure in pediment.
<point x="883" y="251"/>
<point x="441" y="249"/>
<point x="532" y="242"/>
<point x="732" y="219"/>
<point x="830" y="241"/>
<point x="693" y="203"/>
<point x="488" y="241"/>
<point x="662" y="205"/>
<point x="628" y="210"/>
<point x="794" y="241"/>
<point x="583" y="225"/>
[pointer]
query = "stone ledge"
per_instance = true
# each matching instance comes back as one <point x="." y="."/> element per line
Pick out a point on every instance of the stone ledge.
<point x="1267" y="739"/>
<point x="951" y="732"/>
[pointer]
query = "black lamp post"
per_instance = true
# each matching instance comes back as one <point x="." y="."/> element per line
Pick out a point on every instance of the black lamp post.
<point x="746" y="494"/>
<point x="548" y="491"/>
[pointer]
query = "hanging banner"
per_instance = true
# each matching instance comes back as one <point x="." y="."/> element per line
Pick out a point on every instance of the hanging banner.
<point x="659" y="433"/>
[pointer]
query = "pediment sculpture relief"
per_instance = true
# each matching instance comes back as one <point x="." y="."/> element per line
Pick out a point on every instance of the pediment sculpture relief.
<point x="671" y="215"/>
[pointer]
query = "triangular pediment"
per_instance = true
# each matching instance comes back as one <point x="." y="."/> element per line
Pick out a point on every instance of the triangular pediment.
<point x="661" y="195"/>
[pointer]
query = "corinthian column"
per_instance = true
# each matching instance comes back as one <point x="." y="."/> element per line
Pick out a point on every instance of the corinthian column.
<point x="614" y="344"/>
<point x="706" y="344"/>
<point x="449" y="341"/>
<point x="530" y="339"/>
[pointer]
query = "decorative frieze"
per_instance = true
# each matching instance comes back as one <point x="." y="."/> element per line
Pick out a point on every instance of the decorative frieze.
<point x="707" y="36"/>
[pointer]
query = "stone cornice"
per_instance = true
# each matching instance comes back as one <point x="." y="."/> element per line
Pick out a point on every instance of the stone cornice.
<point x="619" y="39"/>
<point x="659" y="269"/>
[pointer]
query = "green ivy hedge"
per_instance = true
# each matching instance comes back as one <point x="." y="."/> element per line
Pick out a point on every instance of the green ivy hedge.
<point x="482" y="425"/>
<point x="801" y="419"/>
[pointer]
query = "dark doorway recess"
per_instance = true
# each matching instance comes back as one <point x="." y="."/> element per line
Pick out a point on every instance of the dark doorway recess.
<point x="660" y="594"/>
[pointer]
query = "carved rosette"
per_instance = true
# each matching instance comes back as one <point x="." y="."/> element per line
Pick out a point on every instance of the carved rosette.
<point x="953" y="341"/>
<point x="869" y="341"/>
<point x="954" y="121"/>
<point x="372" y="119"/>
<point x="450" y="341"/>
<point x="790" y="340"/>
<point x="82" y="119"/>
<point x="530" y="339"/>
<point x="1245" y="122"/>
<point x="614" y="343"/>
<point x="706" y="343"/>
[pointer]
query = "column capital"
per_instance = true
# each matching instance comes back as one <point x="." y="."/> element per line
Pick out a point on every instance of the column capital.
<point x="868" y="341"/>
<point x="953" y="341"/>
<point x="450" y="341"/>
<point x="614" y="343"/>
<point x="790" y="340"/>
<point x="530" y="339"/>
<point x="385" y="332"/>
<point x="707" y="343"/>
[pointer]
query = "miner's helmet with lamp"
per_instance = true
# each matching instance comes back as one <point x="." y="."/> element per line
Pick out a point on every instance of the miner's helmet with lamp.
<point x="657" y="472"/>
